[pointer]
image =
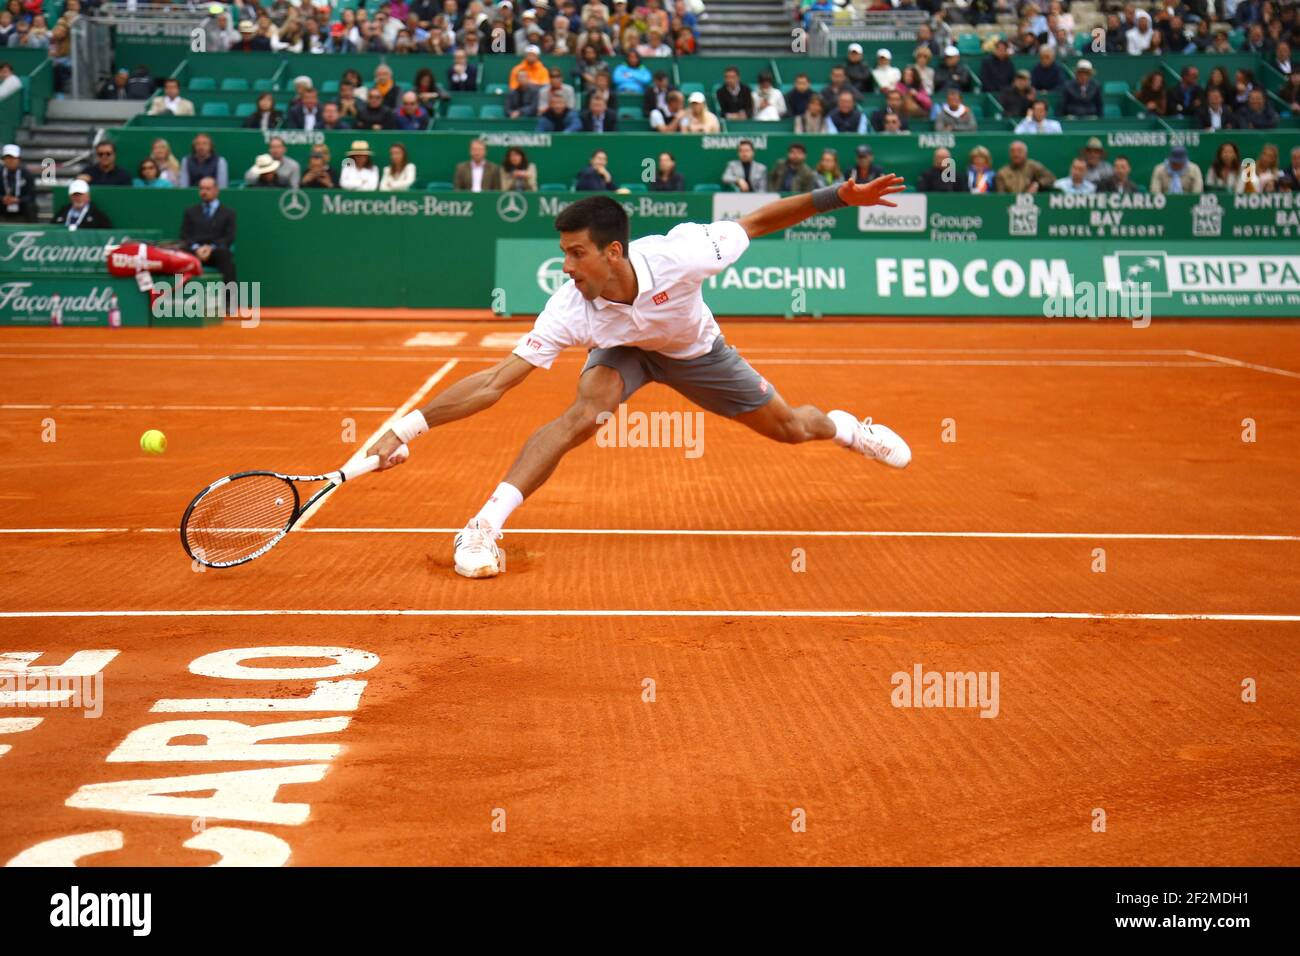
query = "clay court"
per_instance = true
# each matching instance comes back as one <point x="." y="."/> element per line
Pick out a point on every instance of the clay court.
<point x="1120" y="690"/>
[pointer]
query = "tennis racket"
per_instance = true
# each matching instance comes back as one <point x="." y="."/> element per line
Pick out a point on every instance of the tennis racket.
<point x="243" y="516"/>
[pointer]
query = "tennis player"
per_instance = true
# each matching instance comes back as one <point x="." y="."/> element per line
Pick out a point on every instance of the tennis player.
<point x="637" y="308"/>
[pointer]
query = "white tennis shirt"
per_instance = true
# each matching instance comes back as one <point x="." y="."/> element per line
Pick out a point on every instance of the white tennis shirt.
<point x="669" y="314"/>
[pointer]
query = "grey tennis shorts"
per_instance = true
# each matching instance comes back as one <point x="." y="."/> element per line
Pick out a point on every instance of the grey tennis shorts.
<point x="719" y="381"/>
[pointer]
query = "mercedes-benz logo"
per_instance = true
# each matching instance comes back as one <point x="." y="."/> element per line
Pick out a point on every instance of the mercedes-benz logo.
<point x="550" y="275"/>
<point x="512" y="207"/>
<point x="295" y="204"/>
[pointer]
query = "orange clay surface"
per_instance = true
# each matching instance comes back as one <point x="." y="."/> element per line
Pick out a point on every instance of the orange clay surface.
<point x="541" y="722"/>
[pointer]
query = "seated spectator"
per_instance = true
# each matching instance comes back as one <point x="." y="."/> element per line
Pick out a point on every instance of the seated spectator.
<point x="319" y="174"/>
<point x="813" y="119"/>
<point x="1077" y="182"/>
<point x="769" y="102"/>
<point x="555" y="84"/>
<point x="1225" y="170"/>
<point x="1152" y="94"/>
<point x="1290" y="92"/>
<point x="597" y="118"/>
<point x="954" y="115"/>
<point x="667" y="177"/>
<point x="1047" y="76"/>
<point x="864" y="165"/>
<point x="893" y="124"/>
<point x="399" y="174"/>
<point x="517" y="173"/>
<point x="522" y="99"/>
<point x="373" y="114"/>
<point x="980" y="177"/>
<point x="1018" y="99"/>
<point x="893" y="107"/>
<point x="263" y="173"/>
<point x="1115" y="39"/>
<point x="654" y="46"/>
<point x="792" y="174"/>
<point x="531" y="66"/>
<point x="846" y="117"/>
<point x="462" y="75"/>
<point x="953" y="72"/>
<point x="1038" y="121"/>
<point x="698" y="117"/>
<point x="203" y="161"/>
<point x="1022" y="174"/>
<point x="390" y="93"/>
<point x="1282" y="58"/>
<point x="857" y="70"/>
<point x="885" y="75"/>
<point x="1094" y="160"/>
<point x="412" y="117"/>
<point x="800" y="94"/>
<point x="604" y="85"/>
<point x="1258" y="113"/>
<point x="656" y="95"/>
<point x="114" y="88"/>
<point x="426" y="89"/>
<point x="80" y="212"/>
<point x="1289" y="181"/>
<point x="19" y="188"/>
<point x="169" y="168"/>
<point x="1177" y="174"/>
<point x="1219" y="81"/>
<point x="631" y="77"/>
<point x="997" y="72"/>
<point x="265" y="117"/>
<point x="745" y="174"/>
<point x="477" y="174"/>
<point x="916" y="101"/>
<point x="1120" y="181"/>
<point x="1187" y="98"/>
<point x="1215" y="115"/>
<point x="595" y="176"/>
<point x="669" y="120"/>
<point x="1242" y="84"/>
<point x="1263" y="175"/>
<point x="557" y="117"/>
<point x="348" y="103"/>
<point x="208" y="229"/>
<point x="735" y="99"/>
<point x="828" y="168"/>
<point x="1081" y="96"/>
<point x="331" y="120"/>
<point x="830" y="93"/>
<point x="104" y="171"/>
<point x="171" y="101"/>
<point x="1137" y="39"/>
<point x="306" y="113"/>
<point x="360" y="173"/>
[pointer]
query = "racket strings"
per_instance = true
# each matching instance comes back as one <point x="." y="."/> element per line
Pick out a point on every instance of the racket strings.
<point x="240" y="518"/>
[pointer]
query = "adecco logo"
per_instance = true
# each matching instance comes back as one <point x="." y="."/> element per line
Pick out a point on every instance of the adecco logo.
<point x="295" y="204"/>
<point x="909" y="216"/>
<point x="512" y="207"/>
<point x="550" y="275"/>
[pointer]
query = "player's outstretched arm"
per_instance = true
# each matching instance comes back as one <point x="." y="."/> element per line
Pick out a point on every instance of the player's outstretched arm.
<point x="471" y="394"/>
<point x="792" y="210"/>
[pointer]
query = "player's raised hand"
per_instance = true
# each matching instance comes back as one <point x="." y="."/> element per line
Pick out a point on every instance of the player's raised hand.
<point x="872" y="193"/>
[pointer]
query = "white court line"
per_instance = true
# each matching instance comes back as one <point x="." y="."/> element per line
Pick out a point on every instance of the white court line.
<point x="734" y="533"/>
<point x="197" y="408"/>
<point x="409" y="404"/>
<point x="612" y="612"/>
<point x="1237" y="363"/>
<point x="423" y="359"/>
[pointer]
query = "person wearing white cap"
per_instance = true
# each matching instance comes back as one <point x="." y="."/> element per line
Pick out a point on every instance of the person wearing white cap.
<point x="885" y="74"/>
<point x="532" y="67"/>
<point x="19" y="189"/>
<point x="699" y="118"/>
<point x="1138" y="38"/>
<point x="80" y="212"/>
<point x="857" y="70"/>
<point x="952" y="72"/>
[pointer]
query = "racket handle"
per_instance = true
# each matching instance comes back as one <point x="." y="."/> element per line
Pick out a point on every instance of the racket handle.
<point x="366" y="465"/>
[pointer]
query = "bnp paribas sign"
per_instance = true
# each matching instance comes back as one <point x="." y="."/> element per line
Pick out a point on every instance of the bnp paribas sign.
<point x="59" y="251"/>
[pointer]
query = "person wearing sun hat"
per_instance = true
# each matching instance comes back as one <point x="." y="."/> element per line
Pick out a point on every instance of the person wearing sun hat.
<point x="1081" y="96"/>
<point x="359" y="171"/>
<point x="263" y="172"/>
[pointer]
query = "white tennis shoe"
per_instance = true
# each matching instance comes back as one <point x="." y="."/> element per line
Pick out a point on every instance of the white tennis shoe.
<point x="477" y="553"/>
<point x="881" y="443"/>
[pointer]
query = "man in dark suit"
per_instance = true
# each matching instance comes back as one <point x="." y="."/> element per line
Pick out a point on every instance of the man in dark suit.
<point x="462" y="75"/>
<point x="80" y="212"/>
<point x="656" y="96"/>
<point x="597" y="118"/>
<point x="374" y="114"/>
<point x="19" y="191"/>
<point x="735" y="99"/>
<point x="1187" y="98"/>
<point x="306" y="113"/>
<point x="476" y="174"/>
<point x="104" y="171"/>
<point x="1214" y="114"/>
<point x="208" y="230"/>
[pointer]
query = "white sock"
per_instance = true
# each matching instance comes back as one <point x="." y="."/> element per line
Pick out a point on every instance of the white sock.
<point x="496" y="510"/>
<point x="845" y="426"/>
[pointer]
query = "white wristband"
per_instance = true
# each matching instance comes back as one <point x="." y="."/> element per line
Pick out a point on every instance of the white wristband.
<point x="410" y="426"/>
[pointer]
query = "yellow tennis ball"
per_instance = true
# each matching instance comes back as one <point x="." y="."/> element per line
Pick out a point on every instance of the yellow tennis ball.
<point x="153" y="442"/>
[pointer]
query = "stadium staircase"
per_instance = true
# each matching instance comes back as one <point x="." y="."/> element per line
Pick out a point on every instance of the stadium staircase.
<point x="71" y="129"/>
<point x="745" y="28"/>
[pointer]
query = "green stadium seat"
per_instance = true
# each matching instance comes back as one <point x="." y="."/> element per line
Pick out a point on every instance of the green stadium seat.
<point x="689" y="88"/>
<point x="706" y="188"/>
<point x="264" y="85"/>
<point x="1111" y="111"/>
<point x="329" y="88"/>
<point x="1081" y="40"/>
<point x="215" y="109"/>
<point x="1236" y="38"/>
<point x="492" y="112"/>
<point x="1115" y="88"/>
<point x="244" y="109"/>
<point x="439" y="186"/>
<point x="554" y="188"/>
<point x="202" y="83"/>
<point x="636" y="187"/>
<point x="629" y="112"/>
<point x="498" y="89"/>
<point x="234" y="84"/>
<point x="968" y="44"/>
<point x="456" y="111"/>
